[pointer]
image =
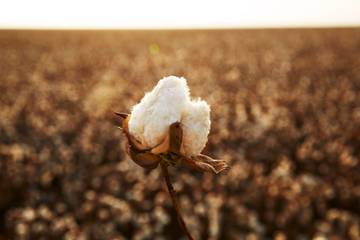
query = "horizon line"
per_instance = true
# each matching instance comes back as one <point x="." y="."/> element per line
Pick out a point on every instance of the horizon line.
<point x="239" y="27"/>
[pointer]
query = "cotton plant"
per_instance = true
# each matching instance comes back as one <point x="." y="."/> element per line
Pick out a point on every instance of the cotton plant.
<point x="168" y="128"/>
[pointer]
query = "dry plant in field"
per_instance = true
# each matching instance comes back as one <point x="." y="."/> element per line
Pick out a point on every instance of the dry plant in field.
<point x="167" y="128"/>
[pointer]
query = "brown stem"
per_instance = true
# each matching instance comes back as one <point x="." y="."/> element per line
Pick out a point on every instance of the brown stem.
<point x="172" y="194"/>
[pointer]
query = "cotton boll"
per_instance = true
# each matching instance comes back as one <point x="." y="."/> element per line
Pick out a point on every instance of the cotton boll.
<point x="166" y="118"/>
<point x="150" y="119"/>
<point x="196" y="127"/>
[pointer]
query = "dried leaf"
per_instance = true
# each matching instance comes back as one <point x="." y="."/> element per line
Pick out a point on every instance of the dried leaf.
<point x="122" y="115"/>
<point x="206" y="163"/>
<point x="176" y="136"/>
<point x="144" y="159"/>
<point x="162" y="147"/>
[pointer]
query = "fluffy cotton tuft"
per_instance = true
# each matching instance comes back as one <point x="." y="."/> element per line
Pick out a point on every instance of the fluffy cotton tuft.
<point x="196" y="127"/>
<point x="151" y="118"/>
<point x="167" y="103"/>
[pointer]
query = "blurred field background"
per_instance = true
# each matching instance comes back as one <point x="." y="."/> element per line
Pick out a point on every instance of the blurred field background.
<point x="285" y="115"/>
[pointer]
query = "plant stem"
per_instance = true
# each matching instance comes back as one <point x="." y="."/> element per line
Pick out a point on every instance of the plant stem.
<point x="172" y="194"/>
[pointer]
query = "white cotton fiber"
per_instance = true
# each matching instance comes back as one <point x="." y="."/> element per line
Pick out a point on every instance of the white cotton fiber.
<point x="167" y="103"/>
<point x="151" y="118"/>
<point x="196" y="127"/>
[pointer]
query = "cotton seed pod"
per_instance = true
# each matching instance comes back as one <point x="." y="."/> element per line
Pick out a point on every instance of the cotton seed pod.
<point x="167" y="103"/>
<point x="167" y="126"/>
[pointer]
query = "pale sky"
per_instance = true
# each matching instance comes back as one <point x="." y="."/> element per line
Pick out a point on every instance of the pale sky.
<point x="131" y="14"/>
